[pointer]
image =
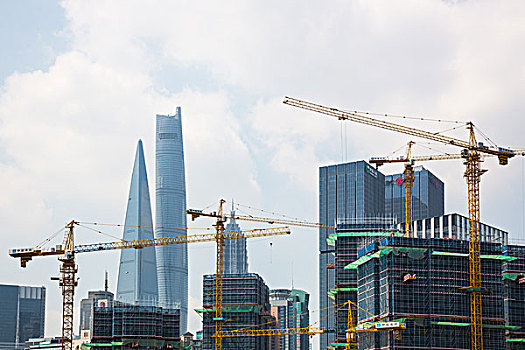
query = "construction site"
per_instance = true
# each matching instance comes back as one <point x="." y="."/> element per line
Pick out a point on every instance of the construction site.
<point x="391" y="276"/>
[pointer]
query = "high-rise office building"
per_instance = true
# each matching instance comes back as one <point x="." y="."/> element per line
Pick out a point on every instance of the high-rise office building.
<point x="346" y="191"/>
<point x="428" y="195"/>
<point x="137" y="277"/>
<point x="170" y="189"/>
<point x="235" y="253"/>
<point x="22" y="314"/>
<point x="290" y="309"/>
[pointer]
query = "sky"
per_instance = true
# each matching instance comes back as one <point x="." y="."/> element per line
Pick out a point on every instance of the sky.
<point x="81" y="82"/>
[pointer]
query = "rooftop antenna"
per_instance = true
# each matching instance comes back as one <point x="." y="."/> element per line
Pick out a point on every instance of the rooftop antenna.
<point x="106" y="281"/>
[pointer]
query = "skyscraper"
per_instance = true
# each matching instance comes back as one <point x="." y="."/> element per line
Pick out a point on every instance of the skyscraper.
<point x="170" y="189"/>
<point x="137" y="278"/>
<point x="235" y="254"/>
<point x="22" y="314"/>
<point x="346" y="191"/>
<point x="428" y="195"/>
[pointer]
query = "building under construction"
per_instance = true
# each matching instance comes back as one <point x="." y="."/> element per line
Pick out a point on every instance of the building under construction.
<point x="422" y="282"/>
<point x="246" y="305"/>
<point x="514" y="284"/>
<point x="349" y="237"/>
<point x="121" y="326"/>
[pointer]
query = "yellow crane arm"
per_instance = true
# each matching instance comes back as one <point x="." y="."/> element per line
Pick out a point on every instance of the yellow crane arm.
<point x="358" y="117"/>
<point x="208" y="237"/>
<point x="265" y="332"/>
<point x="378" y="161"/>
<point x="26" y="254"/>
<point x="196" y="213"/>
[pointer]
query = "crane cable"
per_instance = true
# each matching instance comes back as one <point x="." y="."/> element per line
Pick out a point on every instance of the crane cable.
<point x="266" y="211"/>
<point x="404" y="117"/>
<point x="39" y="245"/>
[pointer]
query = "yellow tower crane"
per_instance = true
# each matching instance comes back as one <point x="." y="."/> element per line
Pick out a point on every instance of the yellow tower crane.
<point x="408" y="178"/>
<point x="471" y="152"/>
<point x="68" y="268"/>
<point x="222" y="217"/>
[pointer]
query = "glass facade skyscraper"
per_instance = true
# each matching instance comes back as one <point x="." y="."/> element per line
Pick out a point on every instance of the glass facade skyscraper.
<point x="428" y="195"/>
<point x="235" y="253"/>
<point x="22" y="315"/>
<point x="137" y="277"/>
<point x="346" y="191"/>
<point x="170" y="189"/>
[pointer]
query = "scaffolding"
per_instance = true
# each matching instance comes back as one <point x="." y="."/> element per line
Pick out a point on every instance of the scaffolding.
<point x="351" y="236"/>
<point x="245" y="305"/>
<point x="424" y="281"/>
<point x="124" y="326"/>
<point x="514" y="282"/>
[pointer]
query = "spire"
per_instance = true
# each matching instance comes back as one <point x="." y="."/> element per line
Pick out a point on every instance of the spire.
<point x="106" y="281"/>
<point x="233" y="212"/>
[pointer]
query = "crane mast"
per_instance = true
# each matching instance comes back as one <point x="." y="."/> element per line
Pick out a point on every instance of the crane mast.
<point x="219" y="319"/>
<point x="473" y="174"/>
<point x="68" y="282"/>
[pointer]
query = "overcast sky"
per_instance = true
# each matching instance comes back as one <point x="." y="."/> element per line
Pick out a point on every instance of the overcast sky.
<point x="81" y="82"/>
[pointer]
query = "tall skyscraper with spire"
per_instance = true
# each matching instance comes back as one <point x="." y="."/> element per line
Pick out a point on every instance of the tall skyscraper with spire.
<point x="137" y="278"/>
<point x="235" y="253"/>
<point x="170" y="189"/>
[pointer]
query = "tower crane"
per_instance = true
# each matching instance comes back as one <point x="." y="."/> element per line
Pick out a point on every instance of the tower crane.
<point x="68" y="268"/>
<point x="471" y="152"/>
<point x="408" y="178"/>
<point x="222" y="217"/>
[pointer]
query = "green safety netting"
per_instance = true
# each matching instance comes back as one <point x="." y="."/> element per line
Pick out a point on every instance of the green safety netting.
<point x="381" y="252"/>
<point x="498" y="257"/>
<point x="89" y="345"/>
<point x="413" y="253"/>
<point x="457" y="324"/>
<point x="482" y="256"/>
<point x="333" y="237"/>
<point x="334" y="345"/>
<point x="236" y="308"/>
<point x="510" y="276"/>
<point x="334" y="291"/>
